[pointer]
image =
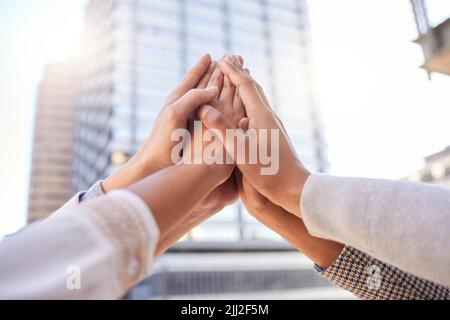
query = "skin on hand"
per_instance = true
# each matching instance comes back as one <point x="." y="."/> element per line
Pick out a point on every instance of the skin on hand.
<point x="174" y="192"/>
<point x="283" y="188"/>
<point x="155" y="155"/>
<point x="156" y="152"/>
<point x="323" y="252"/>
<point x="226" y="193"/>
<point x="220" y="197"/>
<point x="225" y="102"/>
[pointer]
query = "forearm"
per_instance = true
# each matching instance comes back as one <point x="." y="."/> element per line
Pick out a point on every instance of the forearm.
<point x="220" y="197"/>
<point x="322" y="252"/>
<point x="128" y="174"/>
<point x="349" y="268"/>
<point x="179" y="230"/>
<point x="174" y="192"/>
<point x="404" y="224"/>
<point x="182" y="228"/>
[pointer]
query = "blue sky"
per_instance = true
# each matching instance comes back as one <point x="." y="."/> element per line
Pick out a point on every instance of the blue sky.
<point x="381" y="114"/>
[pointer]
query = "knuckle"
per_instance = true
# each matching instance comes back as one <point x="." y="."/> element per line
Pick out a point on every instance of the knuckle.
<point x="246" y="82"/>
<point x="215" y="119"/>
<point x="170" y="98"/>
<point x="171" y="114"/>
<point x="193" y="94"/>
<point x="194" y="73"/>
<point x="227" y="85"/>
<point x="258" y="203"/>
<point x="235" y="73"/>
<point x="215" y="79"/>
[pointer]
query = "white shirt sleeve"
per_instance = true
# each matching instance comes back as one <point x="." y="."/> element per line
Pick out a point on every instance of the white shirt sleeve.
<point x="97" y="250"/>
<point x="403" y="224"/>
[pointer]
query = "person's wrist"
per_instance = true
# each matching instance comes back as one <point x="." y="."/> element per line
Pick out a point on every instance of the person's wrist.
<point x="296" y="182"/>
<point x="219" y="173"/>
<point x="141" y="167"/>
<point x="292" y="182"/>
<point x="130" y="173"/>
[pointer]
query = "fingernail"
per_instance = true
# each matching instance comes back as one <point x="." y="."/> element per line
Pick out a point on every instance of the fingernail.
<point x="240" y="60"/>
<point x="212" y="89"/>
<point x="212" y="67"/>
<point x="243" y="124"/>
<point x="229" y="59"/>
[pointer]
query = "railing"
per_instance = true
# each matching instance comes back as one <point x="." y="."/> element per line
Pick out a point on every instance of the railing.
<point x="421" y="16"/>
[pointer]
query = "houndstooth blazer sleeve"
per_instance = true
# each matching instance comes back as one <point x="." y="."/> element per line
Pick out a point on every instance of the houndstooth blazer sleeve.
<point x="369" y="278"/>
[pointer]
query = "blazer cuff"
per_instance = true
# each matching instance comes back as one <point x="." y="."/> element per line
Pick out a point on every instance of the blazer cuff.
<point x="369" y="278"/>
<point x="96" y="190"/>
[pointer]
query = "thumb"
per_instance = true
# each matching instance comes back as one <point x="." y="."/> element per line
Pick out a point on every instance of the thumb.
<point x="194" y="98"/>
<point x="236" y="148"/>
<point x="214" y="119"/>
<point x="253" y="194"/>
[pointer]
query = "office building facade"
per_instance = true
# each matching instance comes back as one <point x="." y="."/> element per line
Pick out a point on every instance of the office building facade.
<point x="436" y="169"/>
<point x="434" y="39"/>
<point x="135" y="51"/>
<point x="52" y="155"/>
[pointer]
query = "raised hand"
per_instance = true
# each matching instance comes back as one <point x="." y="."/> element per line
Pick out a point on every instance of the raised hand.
<point x="156" y="152"/>
<point x="282" y="186"/>
<point x="226" y="193"/>
<point x="226" y="102"/>
<point x="202" y="84"/>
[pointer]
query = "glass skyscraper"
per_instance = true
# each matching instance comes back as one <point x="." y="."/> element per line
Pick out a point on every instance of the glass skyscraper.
<point x="135" y="52"/>
<point x="51" y="170"/>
